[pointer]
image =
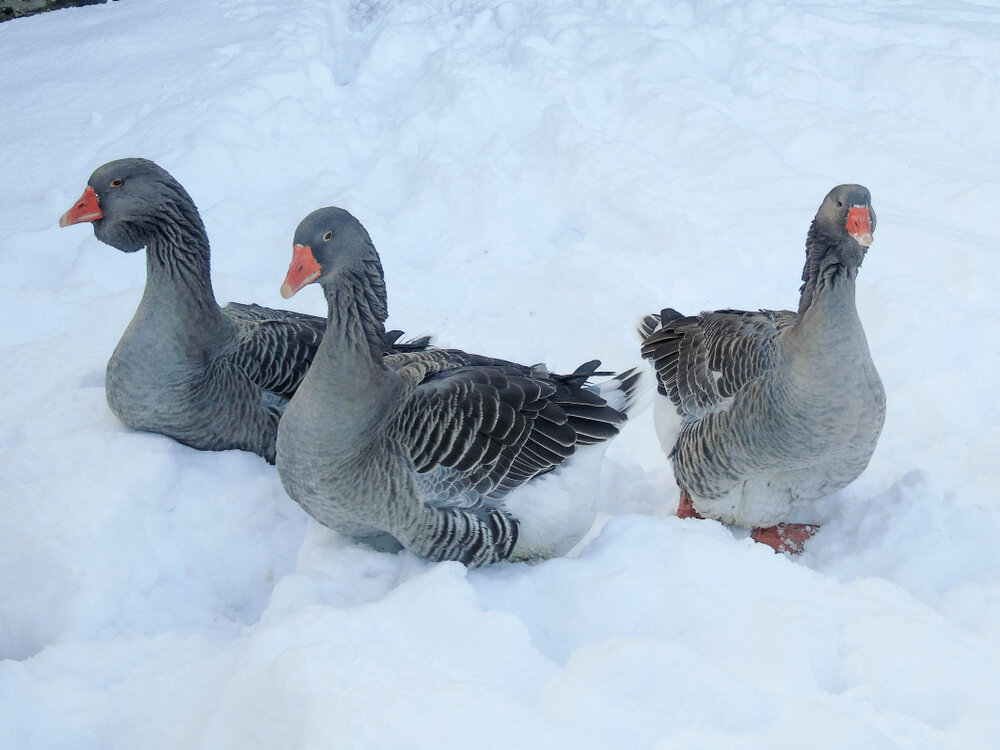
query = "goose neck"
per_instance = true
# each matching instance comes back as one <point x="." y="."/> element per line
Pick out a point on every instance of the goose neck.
<point x="356" y="313"/>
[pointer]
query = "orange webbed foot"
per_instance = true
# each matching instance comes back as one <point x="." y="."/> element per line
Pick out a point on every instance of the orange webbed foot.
<point x="785" y="537"/>
<point x="685" y="508"/>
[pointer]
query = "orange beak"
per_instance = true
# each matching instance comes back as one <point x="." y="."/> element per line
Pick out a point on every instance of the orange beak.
<point x="859" y="225"/>
<point x="85" y="209"/>
<point x="303" y="270"/>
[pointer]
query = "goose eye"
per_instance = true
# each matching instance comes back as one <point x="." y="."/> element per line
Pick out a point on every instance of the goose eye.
<point x="117" y="182"/>
<point x="840" y="204"/>
<point x="328" y="236"/>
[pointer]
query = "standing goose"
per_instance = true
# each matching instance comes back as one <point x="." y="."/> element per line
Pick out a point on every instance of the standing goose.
<point x="212" y="378"/>
<point x="422" y="449"/>
<point x="773" y="409"/>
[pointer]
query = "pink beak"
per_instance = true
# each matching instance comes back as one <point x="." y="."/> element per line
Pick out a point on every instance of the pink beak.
<point x="303" y="270"/>
<point x="85" y="209"/>
<point x="859" y="225"/>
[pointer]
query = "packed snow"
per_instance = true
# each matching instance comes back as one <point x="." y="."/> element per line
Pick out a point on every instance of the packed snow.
<point x="536" y="175"/>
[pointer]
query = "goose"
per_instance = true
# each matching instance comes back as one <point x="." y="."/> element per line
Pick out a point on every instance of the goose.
<point x="209" y="377"/>
<point x="761" y="412"/>
<point x="424" y="450"/>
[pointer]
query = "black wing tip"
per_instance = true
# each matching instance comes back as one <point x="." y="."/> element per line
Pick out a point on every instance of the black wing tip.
<point x="579" y="377"/>
<point x="646" y="325"/>
<point x="606" y="408"/>
<point x="392" y="342"/>
<point x="628" y="384"/>
<point x="667" y="318"/>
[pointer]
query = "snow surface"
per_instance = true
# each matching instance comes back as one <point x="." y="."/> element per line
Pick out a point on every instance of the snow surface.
<point x="536" y="175"/>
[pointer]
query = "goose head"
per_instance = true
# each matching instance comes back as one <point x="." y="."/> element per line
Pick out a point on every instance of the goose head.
<point x="328" y="243"/>
<point x="129" y="201"/>
<point x="844" y="225"/>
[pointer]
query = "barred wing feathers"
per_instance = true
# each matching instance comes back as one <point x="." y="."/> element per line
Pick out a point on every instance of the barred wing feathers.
<point x="702" y="361"/>
<point x="275" y="347"/>
<point x="484" y="429"/>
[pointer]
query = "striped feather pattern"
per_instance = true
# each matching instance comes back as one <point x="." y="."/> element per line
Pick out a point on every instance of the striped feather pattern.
<point x="701" y="362"/>
<point x="497" y="426"/>
<point x="475" y="433"/>
<point x="274" y="347"/>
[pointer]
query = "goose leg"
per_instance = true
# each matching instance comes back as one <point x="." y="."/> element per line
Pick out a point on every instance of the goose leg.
<point x="785" y="537"/>
<point x="685" y="508"/>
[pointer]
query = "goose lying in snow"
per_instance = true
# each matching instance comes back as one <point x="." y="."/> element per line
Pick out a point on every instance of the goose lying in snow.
<point x="422" y="449"/>
<point x="212" y="378"/>
<point x="773" y="409"/>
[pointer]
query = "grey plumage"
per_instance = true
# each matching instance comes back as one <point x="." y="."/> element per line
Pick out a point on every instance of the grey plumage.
<point x="424" y="447"/>
<point x="774" y="408"/>
<point x="701" y="362"/>
<point x="274" y="347"/>
<point x="212" y="378"/>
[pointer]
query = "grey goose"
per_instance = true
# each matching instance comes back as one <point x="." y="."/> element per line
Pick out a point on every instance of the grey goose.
<point x="425" y="450"/>
<point x="764" y="411"/>
<point x="210" y="377"/>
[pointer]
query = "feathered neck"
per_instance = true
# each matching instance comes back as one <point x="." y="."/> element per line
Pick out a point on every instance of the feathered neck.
<point x="357" y="308"/>
<point x="832" y="263"/>
<point x="177" y="254"/>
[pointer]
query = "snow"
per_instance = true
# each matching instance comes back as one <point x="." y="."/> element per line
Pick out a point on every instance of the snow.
<point x="536" y="175"/>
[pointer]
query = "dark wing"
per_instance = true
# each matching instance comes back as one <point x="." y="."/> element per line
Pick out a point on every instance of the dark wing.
<point x="701" y="362"/>
<point x="480" y="431"/>
<point x="275" y="347"/>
